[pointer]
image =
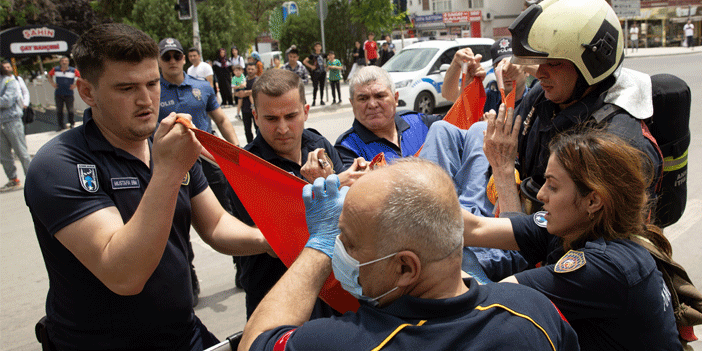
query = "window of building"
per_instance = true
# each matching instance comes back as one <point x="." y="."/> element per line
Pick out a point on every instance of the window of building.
<point x="425" y="4"/>
<point x="474" y="4"/>
<point x="440" y="6"/>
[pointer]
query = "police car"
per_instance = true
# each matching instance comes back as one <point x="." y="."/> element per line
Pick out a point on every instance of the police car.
<point x="418" y="70"/>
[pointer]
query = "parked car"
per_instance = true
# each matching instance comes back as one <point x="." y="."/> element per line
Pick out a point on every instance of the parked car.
<point x="418" y="70"/>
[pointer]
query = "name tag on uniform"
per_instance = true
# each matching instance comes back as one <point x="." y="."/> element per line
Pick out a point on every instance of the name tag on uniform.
<point x="125" y="183"/>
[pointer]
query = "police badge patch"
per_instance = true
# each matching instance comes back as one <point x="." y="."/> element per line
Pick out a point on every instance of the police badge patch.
<point x="197" y="94"/>
<point x="571" y="261"/>
<point x="88" y="177"/>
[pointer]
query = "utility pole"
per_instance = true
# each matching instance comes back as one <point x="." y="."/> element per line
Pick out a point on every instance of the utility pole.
<point x="196" y="28"/>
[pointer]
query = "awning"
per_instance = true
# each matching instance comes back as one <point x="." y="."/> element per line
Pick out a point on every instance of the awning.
<point x="684" y="19"/>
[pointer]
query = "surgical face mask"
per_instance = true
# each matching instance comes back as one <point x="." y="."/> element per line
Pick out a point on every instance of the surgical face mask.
<point x="346" y="270"/>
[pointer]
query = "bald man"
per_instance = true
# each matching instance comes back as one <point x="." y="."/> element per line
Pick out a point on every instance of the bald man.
<point x="396" y="247"/>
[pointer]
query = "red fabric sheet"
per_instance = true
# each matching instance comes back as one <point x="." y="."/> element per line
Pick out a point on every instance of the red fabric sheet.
<point x="468" y="109"/>
<point x="273" y="199"/>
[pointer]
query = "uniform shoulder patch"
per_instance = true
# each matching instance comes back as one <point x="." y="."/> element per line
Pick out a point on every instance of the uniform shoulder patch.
<point x="88" y="177"/>
<point x="571" y="261"/>
<point x="186" y="179"/>
<point x="540" y="219"/>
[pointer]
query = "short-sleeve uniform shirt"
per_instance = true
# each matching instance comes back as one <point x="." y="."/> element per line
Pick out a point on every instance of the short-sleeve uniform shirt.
<point x="73" y="175"/>
<point x="193" y="96"/>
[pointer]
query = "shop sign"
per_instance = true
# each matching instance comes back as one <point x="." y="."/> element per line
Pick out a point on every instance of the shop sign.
<point x="34" y="40"/>
<point x="461" y="16"/>
<point x="428" y="21"/>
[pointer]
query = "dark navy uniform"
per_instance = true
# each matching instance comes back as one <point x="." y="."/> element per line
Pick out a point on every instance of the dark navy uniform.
<point x="261" y="272"/>
<point x="73" y="175"/>
<point x="545" y="121"/>
<point x="487" y="317"/>
<point x="412" y="129"/>
<point x="610" y="291"/>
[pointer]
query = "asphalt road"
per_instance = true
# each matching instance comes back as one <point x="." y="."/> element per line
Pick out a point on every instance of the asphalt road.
<point x="24" y="282"/>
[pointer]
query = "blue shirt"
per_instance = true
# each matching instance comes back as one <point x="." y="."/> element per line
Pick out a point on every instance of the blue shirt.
<point x="486" y="317"/>
<point x="73" y="175"/>
<point x="359" y="141"/>
<point x="615" y="300"/>
<point x="193" y="96"/>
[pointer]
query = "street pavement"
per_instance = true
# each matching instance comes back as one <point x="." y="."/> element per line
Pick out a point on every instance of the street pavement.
<point x="24" y="283"/>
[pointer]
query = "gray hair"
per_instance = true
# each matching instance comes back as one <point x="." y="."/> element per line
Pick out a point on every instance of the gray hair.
<point x="421" y="212"/>
<point x="370" y="74"/>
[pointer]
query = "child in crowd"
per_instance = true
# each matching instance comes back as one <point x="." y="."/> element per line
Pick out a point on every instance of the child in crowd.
<point x="276" y="62"/>
<point x="238" y="84"/>
<point x="334" y="67"/>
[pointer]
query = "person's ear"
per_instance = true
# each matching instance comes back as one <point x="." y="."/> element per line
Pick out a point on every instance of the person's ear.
<point x="87" y="91"/>
<point x="409" y="269"/>
<point x="593" y="202"/>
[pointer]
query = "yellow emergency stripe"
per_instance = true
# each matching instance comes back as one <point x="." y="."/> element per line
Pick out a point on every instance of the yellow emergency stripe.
<point x="481" y="308"/>
<point x="673" y="164"/>
<point x="397" y="330"/>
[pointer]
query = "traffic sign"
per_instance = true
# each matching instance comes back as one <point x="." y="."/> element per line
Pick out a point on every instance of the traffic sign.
<point x="627" y="8"/>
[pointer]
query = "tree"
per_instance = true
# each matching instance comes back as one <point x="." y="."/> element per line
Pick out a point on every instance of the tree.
<point x="221" y="22"/>
<point x="301" y="30"/>
<point x="259" y="12"/>
<point x="346" y="22"/>
<point x="74" y="15"/>
<point x="376" y="16"/>
<point x="116" y="10"/>
<point x="159" y="20"/>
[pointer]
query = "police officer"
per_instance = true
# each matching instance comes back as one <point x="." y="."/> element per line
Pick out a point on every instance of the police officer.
<point x="395" y="246"/>
<point x="607" y="286"/>
<point x="280" y="113"/>
<point x="112" y="210"/>
<point x="181" y="93"/>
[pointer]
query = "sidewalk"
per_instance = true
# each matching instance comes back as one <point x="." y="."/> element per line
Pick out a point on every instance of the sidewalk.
<point x="661" y="51"/>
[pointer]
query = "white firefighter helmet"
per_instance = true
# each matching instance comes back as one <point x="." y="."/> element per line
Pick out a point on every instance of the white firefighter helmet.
<point x="584" y="32"/>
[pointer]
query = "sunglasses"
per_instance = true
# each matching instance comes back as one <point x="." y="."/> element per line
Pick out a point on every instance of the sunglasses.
<point x="172" y="54"/>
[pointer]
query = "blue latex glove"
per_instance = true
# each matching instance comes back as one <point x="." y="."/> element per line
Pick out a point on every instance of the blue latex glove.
<point x="323" y="203"/>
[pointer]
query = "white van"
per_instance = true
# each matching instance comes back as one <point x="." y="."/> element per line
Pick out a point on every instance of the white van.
<point x="267" y="58"/>
<point x="418" y="70"/>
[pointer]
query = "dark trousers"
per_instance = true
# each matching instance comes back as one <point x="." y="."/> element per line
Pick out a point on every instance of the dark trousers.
<point x="335" y="85"/>
<point x="61" y="101"/>
<point x="225" y="90"/>
<point x="318" y="79"/>
<point x="247" y="117"/>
